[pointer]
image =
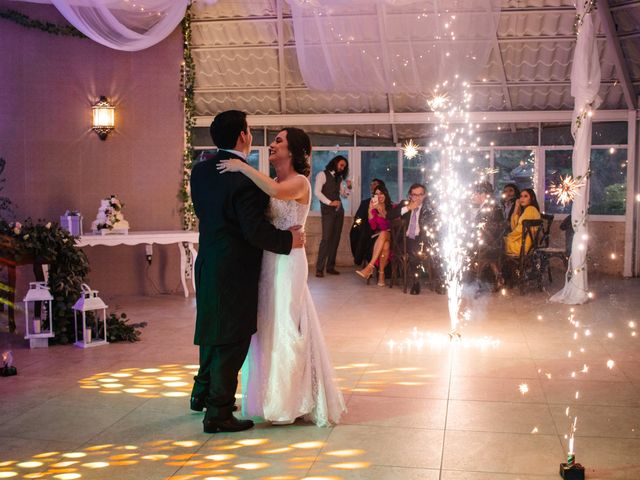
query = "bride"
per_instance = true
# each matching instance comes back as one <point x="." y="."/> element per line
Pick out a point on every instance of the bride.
<point x="287" y="373"/>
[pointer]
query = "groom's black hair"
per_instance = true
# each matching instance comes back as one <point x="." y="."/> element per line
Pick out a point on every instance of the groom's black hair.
<point x="226" y="127"/>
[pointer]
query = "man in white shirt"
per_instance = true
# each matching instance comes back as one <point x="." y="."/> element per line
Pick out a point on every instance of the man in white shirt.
<point x="328" y="189"/>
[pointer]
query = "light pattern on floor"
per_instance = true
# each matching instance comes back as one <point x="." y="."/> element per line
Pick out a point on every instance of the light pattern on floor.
<point x="216" y="458"/>
<point x="170" y="380"/>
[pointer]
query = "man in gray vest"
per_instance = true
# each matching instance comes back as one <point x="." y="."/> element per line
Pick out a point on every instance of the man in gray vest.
<point x="328" y="189"/>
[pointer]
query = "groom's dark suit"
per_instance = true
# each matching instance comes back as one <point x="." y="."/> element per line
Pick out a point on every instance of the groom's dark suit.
<point x="233" y="234"/>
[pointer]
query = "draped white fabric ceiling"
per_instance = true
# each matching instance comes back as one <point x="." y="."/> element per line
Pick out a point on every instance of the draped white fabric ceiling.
<point x="391" y="46"/>
<point x="128" y="25"/>
<point x="246" y="56"/>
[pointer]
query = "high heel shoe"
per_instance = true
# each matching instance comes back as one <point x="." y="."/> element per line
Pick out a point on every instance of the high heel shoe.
<point x="366" y="272"/>
<point x="381" y="282"/>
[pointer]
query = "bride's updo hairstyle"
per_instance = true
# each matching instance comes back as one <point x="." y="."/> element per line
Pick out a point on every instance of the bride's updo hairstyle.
<point x="300" y="149"/>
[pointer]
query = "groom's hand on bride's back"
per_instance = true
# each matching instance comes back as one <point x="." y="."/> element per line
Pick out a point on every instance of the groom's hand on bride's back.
<point x="298" y="236"/>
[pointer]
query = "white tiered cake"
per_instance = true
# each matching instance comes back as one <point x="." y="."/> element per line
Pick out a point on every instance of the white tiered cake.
<point x="109" y="218"/>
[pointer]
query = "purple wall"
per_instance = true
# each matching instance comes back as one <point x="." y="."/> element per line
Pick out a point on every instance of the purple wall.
<point x="55" y="162"/>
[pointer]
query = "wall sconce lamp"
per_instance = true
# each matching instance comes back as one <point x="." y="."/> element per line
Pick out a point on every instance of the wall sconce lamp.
<point x="103" y="118"/>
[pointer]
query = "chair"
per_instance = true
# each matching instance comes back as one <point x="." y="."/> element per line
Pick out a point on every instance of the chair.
<point x="546" y="252"/>
<point x="399" y="254"/>
<point x="527" y="263"/>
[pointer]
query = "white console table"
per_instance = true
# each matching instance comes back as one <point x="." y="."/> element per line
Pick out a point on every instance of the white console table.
<point x="183" y="238"/>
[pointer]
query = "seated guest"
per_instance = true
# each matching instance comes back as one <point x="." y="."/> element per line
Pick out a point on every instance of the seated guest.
<point x="379" y="207"/>
<point x="525" y="208"/>
<point x="417" y="217"/>
<point x="489" y="224"/>
<point x="510" y="193"/>
<point x="360" y="235"/>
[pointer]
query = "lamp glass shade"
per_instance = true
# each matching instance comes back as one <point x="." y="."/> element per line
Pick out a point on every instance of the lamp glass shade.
<point x="103" y="115"/>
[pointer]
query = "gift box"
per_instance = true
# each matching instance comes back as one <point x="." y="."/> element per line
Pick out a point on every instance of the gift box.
<point x="72" y="222"/>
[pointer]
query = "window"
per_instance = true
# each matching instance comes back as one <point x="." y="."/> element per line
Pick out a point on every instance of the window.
<point x="609" y="133"/>
<point x="608" y="182"/>
<point x="382" y="164"/>
<point x="557" y="164"/>
<point x="472" y="165"/>
<point x="514" y="166"/>
<point x="417" y="170"/>
<point x="253" y="159"/>
<point x="202" y="137"/>
<point x="319" y="161"/>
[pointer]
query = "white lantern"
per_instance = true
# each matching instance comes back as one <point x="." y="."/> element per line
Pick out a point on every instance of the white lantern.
<point x="38" y="322"/>
<point x="89" y="301"/>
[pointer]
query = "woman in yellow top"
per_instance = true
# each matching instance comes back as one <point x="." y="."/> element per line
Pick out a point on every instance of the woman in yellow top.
<point x="526" y="208"/>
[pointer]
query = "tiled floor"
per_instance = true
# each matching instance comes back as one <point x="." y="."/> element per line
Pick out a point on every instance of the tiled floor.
<point x="491" y="406"/>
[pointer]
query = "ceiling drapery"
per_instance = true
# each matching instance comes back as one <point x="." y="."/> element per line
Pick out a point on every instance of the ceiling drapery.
<point x="585" y="84"/>
<point x="128" y="25"/>
<point x="392" y="46"/>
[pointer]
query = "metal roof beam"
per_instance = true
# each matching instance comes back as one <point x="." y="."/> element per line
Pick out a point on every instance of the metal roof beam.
<point x="524" y="39"/>
<point x="281" y="73"/>
<point x="520" y="116"/>
<point x="503" y="78"/>
<point x="303" y="88"/>
<point x="618" y="58"/>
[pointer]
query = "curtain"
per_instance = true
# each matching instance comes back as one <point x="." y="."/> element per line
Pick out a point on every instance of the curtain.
<point x="391" y="46"/>
<point x="128" y="25"/>
<point x="585" y="83"/>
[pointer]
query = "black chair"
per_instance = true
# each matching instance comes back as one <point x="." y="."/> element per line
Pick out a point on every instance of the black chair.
<point x="526" y="266"/>
<point x="399" y="253"/>
<point x="546" y="252"/>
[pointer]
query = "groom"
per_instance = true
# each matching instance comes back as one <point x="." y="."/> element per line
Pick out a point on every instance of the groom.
<point x="233" y="234"/>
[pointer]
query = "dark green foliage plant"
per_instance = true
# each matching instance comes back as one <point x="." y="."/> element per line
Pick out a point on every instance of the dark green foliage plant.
<point x="119" y="329"/>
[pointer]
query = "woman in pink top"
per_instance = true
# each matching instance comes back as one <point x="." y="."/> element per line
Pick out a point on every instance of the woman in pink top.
<point x="379" y="206"/>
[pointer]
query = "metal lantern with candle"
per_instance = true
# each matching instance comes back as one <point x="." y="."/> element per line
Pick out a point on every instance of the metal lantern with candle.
<point x="88" y="302"/>
<point x="39" y="318"/>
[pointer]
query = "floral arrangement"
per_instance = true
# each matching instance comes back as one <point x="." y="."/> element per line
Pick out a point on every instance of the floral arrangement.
<point x="110" y="213"/>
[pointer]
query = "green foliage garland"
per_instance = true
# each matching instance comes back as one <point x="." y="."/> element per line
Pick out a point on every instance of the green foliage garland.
<point x="188" y="80"/>
<point x="6" y="205"/>
<point x="589" y="7"/>
<point x="52" y="28"/>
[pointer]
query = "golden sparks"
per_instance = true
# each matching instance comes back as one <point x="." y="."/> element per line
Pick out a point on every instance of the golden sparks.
<point x="567" y="189"/>
<point x="410" y="149"/>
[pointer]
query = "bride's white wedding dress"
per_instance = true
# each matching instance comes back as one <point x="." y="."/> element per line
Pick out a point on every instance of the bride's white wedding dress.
<point x="288" y="373"/>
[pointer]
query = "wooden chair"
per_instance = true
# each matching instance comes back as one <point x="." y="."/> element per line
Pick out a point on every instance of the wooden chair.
<point x="546" y="252"/>
<point x="399" y="253"/>
<point x="526" y="265"/>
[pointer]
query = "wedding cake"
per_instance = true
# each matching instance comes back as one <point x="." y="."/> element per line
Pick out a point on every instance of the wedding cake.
<point x="109" y="218"/>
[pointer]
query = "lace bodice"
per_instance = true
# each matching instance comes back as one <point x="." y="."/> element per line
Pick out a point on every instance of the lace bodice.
<point x="284" y="214"/>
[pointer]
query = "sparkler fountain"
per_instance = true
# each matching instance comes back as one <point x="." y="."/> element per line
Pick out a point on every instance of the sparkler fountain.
<point x="456" y="138"/>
